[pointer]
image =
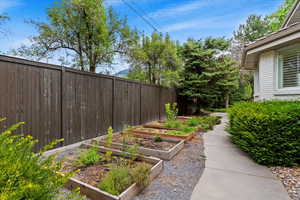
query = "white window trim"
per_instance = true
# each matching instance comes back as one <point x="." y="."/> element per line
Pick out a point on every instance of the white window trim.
<point x="282" y="91"/>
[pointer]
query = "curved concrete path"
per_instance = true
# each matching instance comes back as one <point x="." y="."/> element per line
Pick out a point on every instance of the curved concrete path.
<point x="230" y="175"/>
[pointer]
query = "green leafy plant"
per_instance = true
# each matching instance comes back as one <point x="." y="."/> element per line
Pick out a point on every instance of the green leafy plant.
<point x="25" y="174"/>
<point x="268" y="131"/>
<point x="117" y="180"/>
<point x="206" y="122"/>
<point x="173" y="124"/>
<point x="141" y="174"/>
<point x="171" y="111"/>
<point x="89" y="157"/>
<point x="175" y="132"/>
<point x="109" y="140"/>
<point x="157" y="138"/>
<point x="121" y="177"/>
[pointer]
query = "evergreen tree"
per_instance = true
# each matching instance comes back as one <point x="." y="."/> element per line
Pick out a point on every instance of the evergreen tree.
<point x="210" y="76"/>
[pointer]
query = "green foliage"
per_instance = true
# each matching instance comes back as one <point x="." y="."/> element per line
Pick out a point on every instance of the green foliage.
<point x="120" y="178"/>
<point x="117" y="180"/>
<point x="210" y="76"/>
<point x="90" y="33"/>
<point x="176" y="132"/>
<point x="89" y="157"/>
<point x="157" y="138"/>
<point x="141" y="174"/>
<point x="133" y="152"/>
<point x="155" y="60"/>
<point x="109" y="140"/>
<point x="268" y="131"/>
<point x="171" y="111"/>
<point x="25" y="174"/>
<point x="277" y="18"/>
<point x="173" y="124"/>
<point x="205" y="122"/>
<point x="72" y="195"/>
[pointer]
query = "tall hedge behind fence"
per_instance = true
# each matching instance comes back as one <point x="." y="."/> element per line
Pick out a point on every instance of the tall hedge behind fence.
<point x="58" y="102"/>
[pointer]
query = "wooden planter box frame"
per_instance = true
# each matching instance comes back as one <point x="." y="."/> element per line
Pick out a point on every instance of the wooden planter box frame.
<point x="162" y="135"/>
<point x="162" y="154"/>
<point x="96" y="193"/>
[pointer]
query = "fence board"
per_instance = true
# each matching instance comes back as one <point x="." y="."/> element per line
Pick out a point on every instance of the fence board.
<point x="58" y="102"/>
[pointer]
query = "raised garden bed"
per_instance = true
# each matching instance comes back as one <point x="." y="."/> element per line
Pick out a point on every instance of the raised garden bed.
<point x="163" y="133"/>
<point x="163" y="148"/>
<point x="89" y="177"/>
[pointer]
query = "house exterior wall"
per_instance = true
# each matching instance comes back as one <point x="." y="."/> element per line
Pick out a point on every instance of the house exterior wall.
<point x="265" y="81"/>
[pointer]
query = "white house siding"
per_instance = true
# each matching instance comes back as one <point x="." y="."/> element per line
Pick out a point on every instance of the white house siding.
<point x="266" y="75"/>
<point x="266" y="86"/>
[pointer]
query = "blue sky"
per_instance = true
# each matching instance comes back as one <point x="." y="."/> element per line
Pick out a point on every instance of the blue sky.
<point x="180" y="18"/>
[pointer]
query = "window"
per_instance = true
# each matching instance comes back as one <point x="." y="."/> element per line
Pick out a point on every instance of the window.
<point x="289" y="68"/>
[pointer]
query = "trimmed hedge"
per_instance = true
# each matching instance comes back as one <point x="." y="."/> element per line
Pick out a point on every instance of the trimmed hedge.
<point x="268" y="131"/>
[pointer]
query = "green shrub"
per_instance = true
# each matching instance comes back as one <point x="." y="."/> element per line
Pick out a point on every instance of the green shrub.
<point x="25" y="174"/>
<point x="173" y="124"/>
<point x="268" y="131"/>
<point x="205" y="122"/>
<point x="121" y="177"/>
<point x="117" y="180"/>
<point x="171" y="111"/>
<point x="89" y="157"/>
<point x="175" y="132"/>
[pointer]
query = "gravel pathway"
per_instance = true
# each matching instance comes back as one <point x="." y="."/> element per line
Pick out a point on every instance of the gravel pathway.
<point x="180" y="175"/>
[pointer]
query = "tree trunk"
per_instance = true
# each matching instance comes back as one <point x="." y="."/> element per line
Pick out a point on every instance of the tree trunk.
<point x="227" y="100"/>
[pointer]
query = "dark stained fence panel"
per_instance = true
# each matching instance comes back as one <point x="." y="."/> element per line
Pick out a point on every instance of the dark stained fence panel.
<point x="57" y="102"/>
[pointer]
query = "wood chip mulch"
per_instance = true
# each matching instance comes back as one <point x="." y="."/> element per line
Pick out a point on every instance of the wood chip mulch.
<point x="290" y="177"/>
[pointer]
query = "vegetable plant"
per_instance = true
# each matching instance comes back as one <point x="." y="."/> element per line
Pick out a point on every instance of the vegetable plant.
<point x="121" y="177"/>
<point x="89" y="157"/>
<point x="171" y="111"/>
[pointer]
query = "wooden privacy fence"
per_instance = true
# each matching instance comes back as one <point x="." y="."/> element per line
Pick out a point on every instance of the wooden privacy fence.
<point x="58" y="102"/>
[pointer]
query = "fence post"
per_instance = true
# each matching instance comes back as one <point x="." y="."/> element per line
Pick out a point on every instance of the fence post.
<point x="113" y="102"/>
<point x="159" y="103"/>
<point x="140" y="103"/>
<point x="63" y="70"/>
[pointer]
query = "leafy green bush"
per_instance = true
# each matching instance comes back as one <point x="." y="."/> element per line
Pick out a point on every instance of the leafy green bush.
<point x="89" y="157"/>
<point x="205" y="122"/>
<point x="171" y="111"/>
<point x="268" y="131"/>
<point x="25" y="174"/>
<point x="121" y="177"/>
<point x="173" y="124"/>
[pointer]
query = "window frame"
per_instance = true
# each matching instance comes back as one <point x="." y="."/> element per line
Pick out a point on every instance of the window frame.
<point x="279" y="73"/>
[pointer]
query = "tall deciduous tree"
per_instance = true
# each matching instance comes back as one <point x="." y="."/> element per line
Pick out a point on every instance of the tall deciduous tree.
<point x="155" y="60"/>
<point x="210" y="76"/>
<point x="84" y="27"/>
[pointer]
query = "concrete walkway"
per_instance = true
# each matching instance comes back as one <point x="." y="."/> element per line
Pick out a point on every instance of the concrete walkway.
<point x="230" y="175"/>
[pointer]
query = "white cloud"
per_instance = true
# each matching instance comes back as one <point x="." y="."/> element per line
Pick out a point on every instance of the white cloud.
<point x="211" y="23"/>
<point x="6" y="4"/>
<point x="181" y="9"/>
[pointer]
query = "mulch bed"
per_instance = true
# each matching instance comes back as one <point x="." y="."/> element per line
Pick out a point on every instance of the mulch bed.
<point x="180" y="175"/>
<point x="290" y="177"/>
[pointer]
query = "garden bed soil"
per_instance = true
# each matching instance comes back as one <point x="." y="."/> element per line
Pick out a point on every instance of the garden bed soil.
<point x="161" y="133"/>
<point x="166" y="149"/>
<point x="89" y="177"/>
